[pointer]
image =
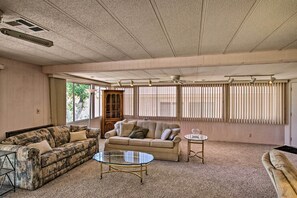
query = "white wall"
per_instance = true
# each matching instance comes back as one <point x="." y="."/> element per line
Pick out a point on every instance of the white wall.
<point x="23" y="90"/>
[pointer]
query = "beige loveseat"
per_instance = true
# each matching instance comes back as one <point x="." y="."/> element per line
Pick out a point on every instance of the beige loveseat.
<point x="160" y="149"/>
<point x="34" y="169"/>
<point x="282" y="173"/>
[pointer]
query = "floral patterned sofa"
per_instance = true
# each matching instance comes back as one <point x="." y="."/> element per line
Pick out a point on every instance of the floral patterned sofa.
<point x="34" y="170"/>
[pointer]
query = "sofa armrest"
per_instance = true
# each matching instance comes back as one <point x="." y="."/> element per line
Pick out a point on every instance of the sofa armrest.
<point x="93" y="132"/>
<point x="110" y="134"/>
<point x="28" y="168"/>
<point x="176" y="139"/>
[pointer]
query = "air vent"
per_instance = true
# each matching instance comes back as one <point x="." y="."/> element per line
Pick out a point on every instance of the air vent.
<point x="25" y="25"/>
<point x="36" y="29"/>
<point x="22" y="21"/>
<point x="13" y="23"/>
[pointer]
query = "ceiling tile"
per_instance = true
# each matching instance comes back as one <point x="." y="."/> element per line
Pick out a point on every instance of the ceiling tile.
<point x="182" y="21"/>
<point x="94" y="16"/>
<point x="282" y="37"/>
<point x="266" y="18"/>
<point x="222" y="19"/>
<point x="138" y="18"/>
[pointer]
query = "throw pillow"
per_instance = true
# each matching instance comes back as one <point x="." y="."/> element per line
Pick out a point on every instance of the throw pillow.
<point x="77" y="136"/>
<point x="138" y="132"/>
<point x="126" y="129"/>
<point x="174" y="133"/>
<point x="165" y="134"/>
<point x="117" y="126"/>
<point x="42" y="146"/>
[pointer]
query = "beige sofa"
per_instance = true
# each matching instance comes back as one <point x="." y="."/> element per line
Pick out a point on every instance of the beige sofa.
<point x="160" y="149"/>
<point x="282" y="173"/>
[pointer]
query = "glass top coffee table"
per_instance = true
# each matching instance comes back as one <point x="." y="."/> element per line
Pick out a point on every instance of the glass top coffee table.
<point x="196" y="139"/>
<point x="132" y="162"/>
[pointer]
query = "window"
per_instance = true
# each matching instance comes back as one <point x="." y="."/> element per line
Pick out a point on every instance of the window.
<point x="98" y="101"/>
<point x="128" y="100"/>
<point x="258" y="103"/>
<point x="78" y="102"/>
<point x="202" y="102"/>
<point x="157" y="101"/>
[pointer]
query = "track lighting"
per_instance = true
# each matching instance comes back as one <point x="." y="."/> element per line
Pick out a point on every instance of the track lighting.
<point x="272" y="79"/>
<point x="131" y="83"/>
<point x="150" y="82"/>
<point x="119" y="83"/>
<point x="253" y="80"/>
<point x="230" y="80"/>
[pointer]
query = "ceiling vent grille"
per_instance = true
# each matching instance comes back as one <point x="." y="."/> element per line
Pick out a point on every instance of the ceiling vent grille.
<point x="25" y="25"/>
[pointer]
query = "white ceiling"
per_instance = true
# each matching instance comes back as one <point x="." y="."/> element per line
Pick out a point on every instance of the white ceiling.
<point x="114" y="30"/>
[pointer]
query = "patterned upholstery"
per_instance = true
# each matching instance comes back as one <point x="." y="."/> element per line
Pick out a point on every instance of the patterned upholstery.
<point x="91" y="132"/>
<point x="34" y="170"/>
<point x="31" y="137"/>
<point x="60" y="134"/>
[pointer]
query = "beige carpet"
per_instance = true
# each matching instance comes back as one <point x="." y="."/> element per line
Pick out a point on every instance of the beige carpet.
<point x="230" y="170"/>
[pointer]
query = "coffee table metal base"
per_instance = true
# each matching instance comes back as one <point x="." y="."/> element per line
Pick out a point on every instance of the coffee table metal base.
<point x="136" y="170"/>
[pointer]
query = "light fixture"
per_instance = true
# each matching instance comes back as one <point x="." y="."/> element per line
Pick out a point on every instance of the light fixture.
<point x="230" y="80"/>
<point x="27" y="37"/>
<point x="253" y="80"/>
<point x="119" y="83"/>
<point x="131" y="83"/>
<point x="150" y="82"/>
<point x="1" y="67"/>
<point x="272" y="79"/>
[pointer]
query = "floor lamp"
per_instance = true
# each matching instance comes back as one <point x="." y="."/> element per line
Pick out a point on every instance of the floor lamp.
<point x="91" y="93"/>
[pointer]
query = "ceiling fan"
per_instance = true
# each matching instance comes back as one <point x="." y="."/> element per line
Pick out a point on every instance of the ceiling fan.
<point x="176" y="80"/>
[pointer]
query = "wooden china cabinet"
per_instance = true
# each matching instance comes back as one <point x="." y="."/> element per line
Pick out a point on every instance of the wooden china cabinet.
<point x="112" y="104"/>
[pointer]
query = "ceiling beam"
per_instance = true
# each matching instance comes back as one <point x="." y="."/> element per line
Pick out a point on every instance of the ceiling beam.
<point x="252" y="58"/>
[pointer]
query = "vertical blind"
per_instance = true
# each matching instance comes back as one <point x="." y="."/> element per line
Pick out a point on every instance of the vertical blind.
<point x="259" y="103"/>
<point x="157" y="101"/>
<point x="202" y="102"/>
<point x="128" y="100"/>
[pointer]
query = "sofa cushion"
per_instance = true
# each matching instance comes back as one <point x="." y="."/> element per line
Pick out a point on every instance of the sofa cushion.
<point x="165" y="134"/>
<point x="126" y="129"/>
<point x="138" y="132"/>
<point x="42" y="146"/>
<point x="160" y="127"/>
<point x="148" y="125"/>
<point x="61" y="134"/>
<point x="161" y="143"/>
<point x="66" y="150"/>
<point x="117" y="126"/>
<point x="174" y="133"/>
<point x="119" y="140"/>
<point x="30" y="137"/>
<point x="78" y="136"/>
<point x="140" y="142"/>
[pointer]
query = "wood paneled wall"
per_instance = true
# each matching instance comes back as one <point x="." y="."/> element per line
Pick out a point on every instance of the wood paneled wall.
<point x="24" y="96"/>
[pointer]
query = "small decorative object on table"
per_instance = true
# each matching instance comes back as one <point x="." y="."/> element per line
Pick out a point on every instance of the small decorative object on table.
<point x="7" y="172"/>
<point x="196" y="133"/>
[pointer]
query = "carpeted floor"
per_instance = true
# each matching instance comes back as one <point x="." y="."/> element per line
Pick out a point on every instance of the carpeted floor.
<point x="230" y="170"/>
